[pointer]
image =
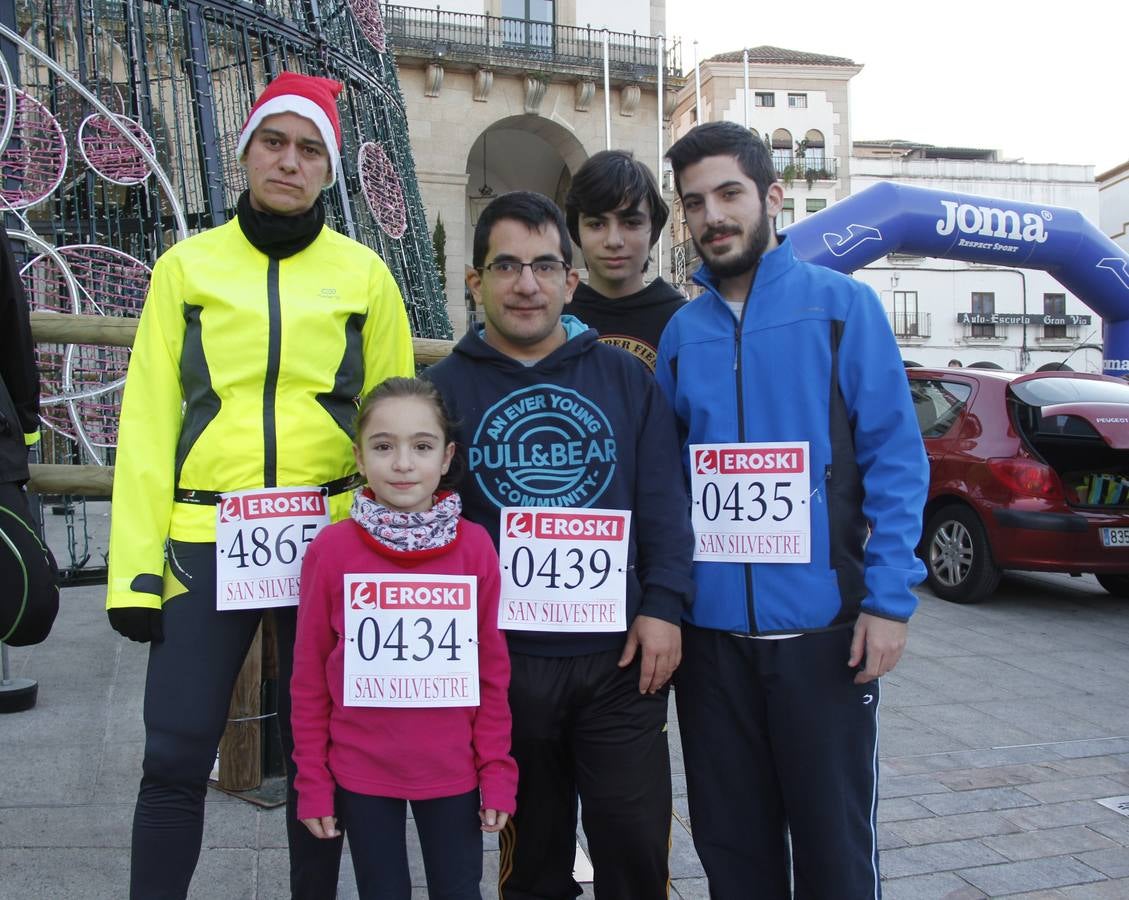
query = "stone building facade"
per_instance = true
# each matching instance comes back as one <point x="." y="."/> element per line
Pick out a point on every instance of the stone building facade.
<point x="505" y="95"/>
<point x="799" y="104"/>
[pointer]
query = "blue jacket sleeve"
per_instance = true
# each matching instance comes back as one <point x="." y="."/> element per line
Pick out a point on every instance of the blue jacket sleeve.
<point x="890" y="454"/>
<point x="662" y="513"/>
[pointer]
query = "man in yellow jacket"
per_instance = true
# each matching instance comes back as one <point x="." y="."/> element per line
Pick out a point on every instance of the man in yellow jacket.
<point x="255" y="340"/>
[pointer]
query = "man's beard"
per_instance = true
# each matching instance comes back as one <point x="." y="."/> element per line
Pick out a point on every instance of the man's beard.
<point x="746" y="259"/>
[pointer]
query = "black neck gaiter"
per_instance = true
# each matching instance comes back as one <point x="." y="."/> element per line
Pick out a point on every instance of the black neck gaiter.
<point x="279" y="236"/>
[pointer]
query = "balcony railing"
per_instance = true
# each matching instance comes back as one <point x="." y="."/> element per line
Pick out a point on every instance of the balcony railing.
<point x="1050" y="334"/>
<point x="994" y="333"/>
<point x="684" y="262"/>
<point x="481" y="39"/>
<point x="790" y="167"/>
<point x="912" y="325"/>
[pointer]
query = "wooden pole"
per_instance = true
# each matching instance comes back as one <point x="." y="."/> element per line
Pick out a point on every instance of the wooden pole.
<point x="87" y="481"/>
<point x="66" y="328"/>
<point x="240" y="747"/>
<point x="431" y="350"/>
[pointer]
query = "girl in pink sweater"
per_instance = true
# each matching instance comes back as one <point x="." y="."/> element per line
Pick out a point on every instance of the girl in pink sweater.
<point x="384" y="713"/>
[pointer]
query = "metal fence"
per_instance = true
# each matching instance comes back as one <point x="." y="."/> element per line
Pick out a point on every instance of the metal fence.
<point x="792" y="167"/>
<point x="120" y="121"/>
<point x="912" y="325"/>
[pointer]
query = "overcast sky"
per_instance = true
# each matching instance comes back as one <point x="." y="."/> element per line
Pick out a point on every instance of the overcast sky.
<point x="1040" y="81"/>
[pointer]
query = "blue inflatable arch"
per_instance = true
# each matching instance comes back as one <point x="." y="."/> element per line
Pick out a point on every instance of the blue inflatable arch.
<point x="896" y="218"/>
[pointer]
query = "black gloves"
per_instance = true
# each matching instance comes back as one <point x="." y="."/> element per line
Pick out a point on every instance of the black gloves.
<point x="138" y="623"/>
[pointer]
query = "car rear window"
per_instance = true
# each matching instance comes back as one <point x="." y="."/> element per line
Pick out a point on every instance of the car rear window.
<point x="938" y="404"/>
<point x="1059" y="389"/>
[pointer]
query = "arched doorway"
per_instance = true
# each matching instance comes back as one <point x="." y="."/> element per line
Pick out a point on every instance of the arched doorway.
<point x="518" y="153"/>
<point x="782" y="149"/>
<point x="815" y="150"/>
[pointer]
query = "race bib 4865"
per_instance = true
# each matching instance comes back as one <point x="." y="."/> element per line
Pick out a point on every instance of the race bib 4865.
<point x="261" y="538"/>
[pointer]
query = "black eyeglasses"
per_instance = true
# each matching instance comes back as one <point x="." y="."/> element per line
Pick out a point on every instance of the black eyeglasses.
<point x="510" y="269"/>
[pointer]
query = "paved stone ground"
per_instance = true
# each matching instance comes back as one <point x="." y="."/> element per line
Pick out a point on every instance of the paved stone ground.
<point x="1001" y="729"/>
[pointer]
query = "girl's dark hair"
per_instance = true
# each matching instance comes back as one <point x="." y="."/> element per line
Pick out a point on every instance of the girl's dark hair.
<point x="399" y="388"/>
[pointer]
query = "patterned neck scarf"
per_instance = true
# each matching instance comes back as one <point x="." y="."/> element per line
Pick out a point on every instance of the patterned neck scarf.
<point x="407" y="532"/>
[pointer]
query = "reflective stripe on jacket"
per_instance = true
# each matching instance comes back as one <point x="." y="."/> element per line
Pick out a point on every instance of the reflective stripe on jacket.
<point x="244" y="373"/>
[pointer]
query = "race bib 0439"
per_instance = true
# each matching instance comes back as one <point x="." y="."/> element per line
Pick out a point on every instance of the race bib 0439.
<point x="563" y="569"/>
<point x="751" y="502"/>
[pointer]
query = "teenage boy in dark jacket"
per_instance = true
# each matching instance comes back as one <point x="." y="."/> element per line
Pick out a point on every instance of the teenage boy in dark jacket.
<point x="616" y="215"/>
<point x="551" y="419"/>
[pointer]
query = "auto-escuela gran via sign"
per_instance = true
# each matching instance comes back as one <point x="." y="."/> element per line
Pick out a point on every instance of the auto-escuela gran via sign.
<point x="1019" y="319"/>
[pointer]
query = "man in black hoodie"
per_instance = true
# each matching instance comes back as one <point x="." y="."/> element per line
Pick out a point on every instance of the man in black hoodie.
<point x="29" y="597"/>
<point x="574" y="433"/>
<point x="616" y="215"/>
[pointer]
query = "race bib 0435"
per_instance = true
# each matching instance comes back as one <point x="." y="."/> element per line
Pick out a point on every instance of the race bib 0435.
<point x="751" y="502"/>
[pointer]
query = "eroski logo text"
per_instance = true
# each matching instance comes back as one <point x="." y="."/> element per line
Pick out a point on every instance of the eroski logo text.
<point x="736" y="461"/>
<point x="265" y="506"/>
<point x="423" y="595"/>
<point x="990" y="221"/>
<point x="579" y="526"/>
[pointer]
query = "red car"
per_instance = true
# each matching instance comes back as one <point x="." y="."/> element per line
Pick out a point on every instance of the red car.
<point x="1026" y="472"/>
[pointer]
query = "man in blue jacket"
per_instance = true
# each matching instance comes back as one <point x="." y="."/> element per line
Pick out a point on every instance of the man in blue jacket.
<point x="808" y="479"/>
<point x="563" y="435"/>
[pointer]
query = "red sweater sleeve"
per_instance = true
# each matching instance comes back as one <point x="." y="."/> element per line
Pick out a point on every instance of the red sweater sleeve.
<point x="311" y="702"/>
<point x="497" y="772"/>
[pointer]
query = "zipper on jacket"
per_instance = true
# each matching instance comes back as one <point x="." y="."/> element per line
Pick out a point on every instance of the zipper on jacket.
<point x="270" y="385"/>
<point x="820" y="491"/>
<point x="750" y="604"/>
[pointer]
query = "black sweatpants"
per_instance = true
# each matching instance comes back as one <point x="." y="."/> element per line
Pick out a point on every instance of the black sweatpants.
<point x="580" y="725"/>
<point x="450" y="837"/>
<point x="187" y="694"/>
<point x="779" y="742"/>
<point x="29" y="593"/>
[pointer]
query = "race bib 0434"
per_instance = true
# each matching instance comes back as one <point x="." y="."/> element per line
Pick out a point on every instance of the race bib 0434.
<point x="411" y="640"/>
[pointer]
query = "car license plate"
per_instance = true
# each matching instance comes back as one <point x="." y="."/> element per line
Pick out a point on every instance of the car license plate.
<point x="1115" y="537"/>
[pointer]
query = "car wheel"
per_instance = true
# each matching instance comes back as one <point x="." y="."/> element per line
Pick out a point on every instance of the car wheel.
<point x="957" y="556"/>
<point x="1118" y="585"/>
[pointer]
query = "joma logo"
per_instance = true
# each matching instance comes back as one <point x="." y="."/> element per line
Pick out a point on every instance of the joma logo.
<point x="988" y="221"/>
